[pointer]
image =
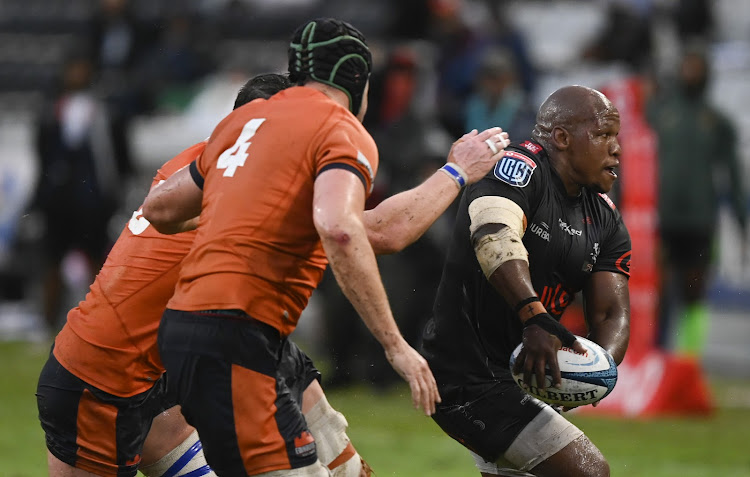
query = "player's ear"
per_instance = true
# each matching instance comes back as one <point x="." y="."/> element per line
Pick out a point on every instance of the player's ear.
<point x="560" y="137"/>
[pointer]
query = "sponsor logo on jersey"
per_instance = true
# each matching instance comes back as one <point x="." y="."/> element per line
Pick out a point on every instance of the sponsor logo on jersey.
<point x="541" y="232"/>
<point x="571" y="231"/>
<point x="515" y="169"/>
<point x="608" y="200"/>
<point x="304" y="444"/>
<point x="589" y="265"/>
<point x="534" y="148"/>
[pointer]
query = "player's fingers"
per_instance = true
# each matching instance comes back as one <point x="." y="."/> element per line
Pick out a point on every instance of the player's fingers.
<point x="539" y="372"/>
<point x="428" y="402"/>
<point x="416" y="392"/>
<point x="554" y="369"/>
<point x="432" y="396"/>
<point x="466" y="136"/>
<point x="578" y="347"/>
<point x="520" y="360"/>
<point x="489" y="133"/>
<point x="528" y="370"/>
<point x="503" y="140"/>
<point x="422" y="394"/>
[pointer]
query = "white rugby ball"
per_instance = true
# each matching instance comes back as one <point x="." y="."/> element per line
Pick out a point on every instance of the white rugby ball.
<point x="586" y="378"/>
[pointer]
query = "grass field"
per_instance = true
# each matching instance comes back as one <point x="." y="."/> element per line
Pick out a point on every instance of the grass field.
<point x="399" y="441"/>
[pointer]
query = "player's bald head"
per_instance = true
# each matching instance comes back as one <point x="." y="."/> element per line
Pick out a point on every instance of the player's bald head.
<point x="570" y="107"/>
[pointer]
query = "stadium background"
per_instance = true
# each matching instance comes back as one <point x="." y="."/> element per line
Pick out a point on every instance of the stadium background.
<point x="224" y="42"/>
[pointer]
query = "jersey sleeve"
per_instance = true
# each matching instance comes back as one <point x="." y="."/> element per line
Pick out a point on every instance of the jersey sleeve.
<point x="187" y="157"/>
<point x="616" y="249"/>
<point x="516" y="177"/>
<point x="344" y="146"/>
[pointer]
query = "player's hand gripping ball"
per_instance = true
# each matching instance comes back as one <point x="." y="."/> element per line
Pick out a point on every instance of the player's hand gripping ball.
<point x="586" y="378"/>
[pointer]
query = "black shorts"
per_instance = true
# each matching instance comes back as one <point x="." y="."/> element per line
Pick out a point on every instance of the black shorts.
<point x="223" y="365"/>
<point x="486" y="417"/>
<point x="296" y="369"/>
<point x="90" y="429"/>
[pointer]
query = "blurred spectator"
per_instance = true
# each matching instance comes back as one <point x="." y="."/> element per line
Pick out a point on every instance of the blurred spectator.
<point x="78" y="186"/>
<point x="117" y="40"/>
<point x="411" y="20"/>
<point x="463" y="31"/>
<point x="170" y="70"/>
<point x="411" y="146"/>
<point x="693" y="19"/>
<point x="625" y="37"/>
<point x="498" y="99"/>
<point x="696" y="144"/>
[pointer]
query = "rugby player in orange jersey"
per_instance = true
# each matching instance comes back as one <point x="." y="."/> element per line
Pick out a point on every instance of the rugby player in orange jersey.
<point x="89" y="351"/>
<point x="99" y="389"/>
<point x="103" y="384"/>
<point x="258" y="253"/>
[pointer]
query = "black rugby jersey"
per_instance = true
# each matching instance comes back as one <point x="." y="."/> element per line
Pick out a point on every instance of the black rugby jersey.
<point x="474" y="331"/>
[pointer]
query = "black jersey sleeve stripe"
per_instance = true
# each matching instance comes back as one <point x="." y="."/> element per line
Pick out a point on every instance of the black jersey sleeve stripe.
<point x="348" y="167"/>
<point x="197" y="177"/>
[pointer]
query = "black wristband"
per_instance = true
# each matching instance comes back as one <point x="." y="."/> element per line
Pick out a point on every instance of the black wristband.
<point x="551" y="326"/>
<point x="525" y="302"/>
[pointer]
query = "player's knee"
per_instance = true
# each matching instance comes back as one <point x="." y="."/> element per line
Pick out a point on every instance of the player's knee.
<point x="328" y="427"/>
<point x="587" y="460"/>
<point x="599" y="468"/>
<point x="592" y="462"/>
<point x="335" y="450"/>
<point x="185" y="459"/>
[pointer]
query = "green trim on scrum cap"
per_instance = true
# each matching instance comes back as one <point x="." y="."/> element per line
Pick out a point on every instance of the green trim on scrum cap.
<point x="307" y="46"/>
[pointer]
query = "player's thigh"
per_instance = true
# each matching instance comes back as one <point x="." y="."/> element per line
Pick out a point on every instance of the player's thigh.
<point x="509" y="432"/>
<point x="229" y="391"/>
<point x="89" y="429"/>
<point x="485" y="417"/>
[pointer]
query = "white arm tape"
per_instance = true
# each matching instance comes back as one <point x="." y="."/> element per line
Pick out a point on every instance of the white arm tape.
<point x="491" y="209"/>
<point x="496" y="248"/>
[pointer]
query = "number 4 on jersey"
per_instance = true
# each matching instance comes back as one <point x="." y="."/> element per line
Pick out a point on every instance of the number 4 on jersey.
<point x="235" y="156"/>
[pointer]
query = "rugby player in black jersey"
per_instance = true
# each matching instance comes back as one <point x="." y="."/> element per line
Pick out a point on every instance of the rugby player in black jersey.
<point x="534" y="232"/>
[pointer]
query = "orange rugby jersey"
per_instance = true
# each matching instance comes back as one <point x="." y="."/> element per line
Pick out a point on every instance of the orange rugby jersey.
<point x="257" y="249"/>
<point x="109" y="339"/>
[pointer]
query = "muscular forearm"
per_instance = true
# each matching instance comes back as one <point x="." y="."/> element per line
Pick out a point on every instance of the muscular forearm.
<point x="172" y="206"/>
<point x="613" y="334"/>
<point x="513" y="281"/>
<point x="401" y="219"/>
<point x="178" y="227"/>
<point x="353" y="263"/>
<point x="606" y="297"/>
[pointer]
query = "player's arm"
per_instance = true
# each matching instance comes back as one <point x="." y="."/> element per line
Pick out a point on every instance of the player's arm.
<point x="607" y="311"/>
<point x="401" y="219"/>
<point x="174" y="205"/>
<point x="497" y="228"/>
<point x="338" y="204"/>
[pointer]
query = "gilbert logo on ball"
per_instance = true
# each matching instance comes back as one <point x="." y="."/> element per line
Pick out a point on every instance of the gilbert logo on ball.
<point x="586" y="378"/>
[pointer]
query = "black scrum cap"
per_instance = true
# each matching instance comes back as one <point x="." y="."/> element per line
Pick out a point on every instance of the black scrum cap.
<point x="334" y="53"/>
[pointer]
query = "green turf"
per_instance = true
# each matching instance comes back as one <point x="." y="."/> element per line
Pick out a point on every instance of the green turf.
<point x="398" y="441"/>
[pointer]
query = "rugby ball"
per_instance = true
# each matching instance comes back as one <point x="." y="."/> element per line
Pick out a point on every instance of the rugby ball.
<point x="586" y="378"/>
